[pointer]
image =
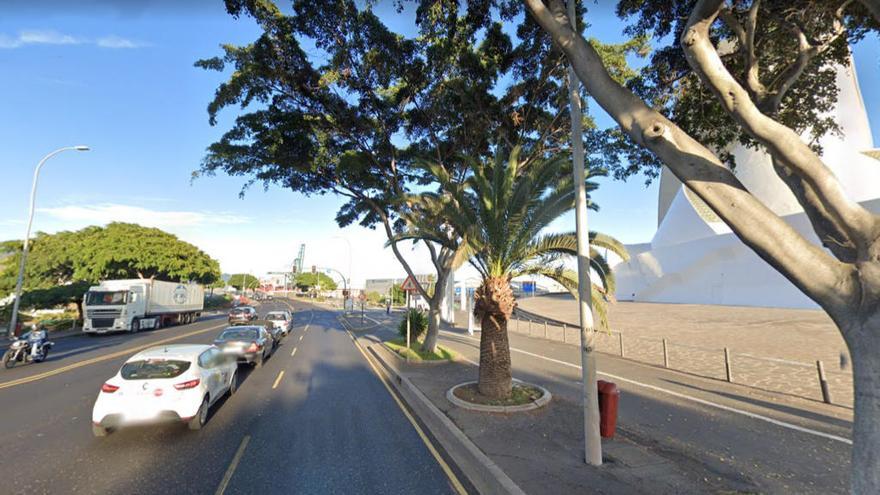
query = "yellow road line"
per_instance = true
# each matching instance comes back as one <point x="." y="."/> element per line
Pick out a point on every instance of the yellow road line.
<point x="98" y="359"/>
<point x="294" y="352"/>
<point x="234" y="464"/>
<point x="278" y="380"/>
<point x="459" y="488"/>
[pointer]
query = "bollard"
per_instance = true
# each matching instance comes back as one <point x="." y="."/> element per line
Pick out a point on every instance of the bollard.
<point x="622" y="353"/>
<point x="564" y="331"/>
<point x="545" y="329"/>
<point x="823" y="383"/>
<point x="727" y="368"/>
<point x="665" y="354"/>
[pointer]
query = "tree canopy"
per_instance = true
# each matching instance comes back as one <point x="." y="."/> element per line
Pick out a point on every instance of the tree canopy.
<point x="119" y="250"/>
<point x="243" y="281"/>
<point x="308" y="280"/>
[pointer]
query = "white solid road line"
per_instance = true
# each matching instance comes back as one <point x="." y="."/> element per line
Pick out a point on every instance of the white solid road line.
<point x="231" y="469"/>
<point x="301" y="337"/>
<point x="294" y="352"/>
<point x="682" y="396"/>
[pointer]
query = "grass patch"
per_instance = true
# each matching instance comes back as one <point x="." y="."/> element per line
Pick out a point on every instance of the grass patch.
<point x="415" y="351"/>
<point x="520" y="394"/>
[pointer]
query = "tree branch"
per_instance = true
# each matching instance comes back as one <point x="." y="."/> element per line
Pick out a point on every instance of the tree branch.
<point x="816" y="273"/>
<point x="780" y="141"/>
<point x="874" y="7"/>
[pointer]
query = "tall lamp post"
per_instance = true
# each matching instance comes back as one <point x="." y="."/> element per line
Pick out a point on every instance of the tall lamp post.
<point x="24" y="252"/>
<point x="592" y="439"/>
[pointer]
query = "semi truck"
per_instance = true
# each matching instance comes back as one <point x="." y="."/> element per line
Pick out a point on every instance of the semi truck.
<point x="139" y="304"/>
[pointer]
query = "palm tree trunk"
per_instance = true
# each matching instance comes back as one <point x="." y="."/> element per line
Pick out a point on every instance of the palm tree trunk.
<point x="495" y="380"/>
<point x="494" y="305"/>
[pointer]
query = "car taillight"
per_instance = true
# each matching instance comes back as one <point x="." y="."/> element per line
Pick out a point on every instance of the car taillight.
<point x="253" y="347"/>
<point x="107" y="388"/>
<point x="188" y="384"/>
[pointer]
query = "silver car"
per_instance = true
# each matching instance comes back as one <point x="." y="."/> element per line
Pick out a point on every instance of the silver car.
<point x="282" y="320"/>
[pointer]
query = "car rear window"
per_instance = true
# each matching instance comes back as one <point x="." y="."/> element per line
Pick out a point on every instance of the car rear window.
<point x="151" y="369"/>
<point x="277" y="316"/>
<point x="238" y="334"/>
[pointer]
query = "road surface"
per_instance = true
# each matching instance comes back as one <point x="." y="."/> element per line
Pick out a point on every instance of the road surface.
<point x="327" y="425"/>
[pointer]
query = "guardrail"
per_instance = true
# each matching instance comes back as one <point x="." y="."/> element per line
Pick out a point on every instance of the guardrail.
<point x="807" y="380"/>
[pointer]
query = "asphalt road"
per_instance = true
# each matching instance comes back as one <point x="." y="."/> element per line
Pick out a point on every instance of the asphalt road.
<point x="735" y="437"/>
<point x="327" y="425"/>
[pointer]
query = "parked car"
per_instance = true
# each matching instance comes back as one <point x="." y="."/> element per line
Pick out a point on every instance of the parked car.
<point x="165" y="383"/>
<point x="282" y="320"/>
<point x="247" y="344"/>
<point x="242" y="315"/>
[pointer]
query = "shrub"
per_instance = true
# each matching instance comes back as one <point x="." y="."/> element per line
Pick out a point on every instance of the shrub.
<point x="418" y="322"/>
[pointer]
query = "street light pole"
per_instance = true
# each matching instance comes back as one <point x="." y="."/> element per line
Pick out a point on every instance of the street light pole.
<point x="24" y="252"/>
<point x="592" y="440"/>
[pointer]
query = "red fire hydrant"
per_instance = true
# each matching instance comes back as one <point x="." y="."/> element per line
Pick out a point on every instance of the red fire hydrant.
<point x="609" y="396"/>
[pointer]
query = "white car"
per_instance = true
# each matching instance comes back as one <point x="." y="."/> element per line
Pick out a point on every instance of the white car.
<point x="165" y="383"/>
<point x="282" y="320"/>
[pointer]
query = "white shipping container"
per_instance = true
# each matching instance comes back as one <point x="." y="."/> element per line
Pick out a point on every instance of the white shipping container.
<point x="173" y="297"/>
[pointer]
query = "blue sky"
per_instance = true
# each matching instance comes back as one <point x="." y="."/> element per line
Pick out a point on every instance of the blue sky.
<point x="121" y="80"/>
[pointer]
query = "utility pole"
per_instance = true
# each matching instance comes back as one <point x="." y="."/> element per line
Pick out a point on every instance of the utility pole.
<point x="592" y="440"/>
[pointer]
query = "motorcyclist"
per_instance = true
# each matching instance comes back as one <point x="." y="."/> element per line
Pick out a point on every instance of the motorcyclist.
<point x="36" y="338"/>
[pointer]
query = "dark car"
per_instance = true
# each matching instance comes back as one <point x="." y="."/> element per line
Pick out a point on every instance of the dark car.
<point x="242" y="315"/>
<point x="248" y="344"/>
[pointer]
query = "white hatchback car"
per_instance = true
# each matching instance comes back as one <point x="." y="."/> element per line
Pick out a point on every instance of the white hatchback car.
<point x="165" y="383"/>
<point x="282" y="320"/>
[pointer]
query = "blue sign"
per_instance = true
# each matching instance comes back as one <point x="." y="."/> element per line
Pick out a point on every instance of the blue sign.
<point x="528" y="287"/>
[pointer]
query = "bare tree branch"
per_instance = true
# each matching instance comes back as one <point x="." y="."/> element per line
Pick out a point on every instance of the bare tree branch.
<point x="780" y="141"/>
<point x="821" y="277"/>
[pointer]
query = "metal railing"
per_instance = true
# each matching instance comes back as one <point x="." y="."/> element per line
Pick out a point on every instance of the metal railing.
<point x="808" y="380"/>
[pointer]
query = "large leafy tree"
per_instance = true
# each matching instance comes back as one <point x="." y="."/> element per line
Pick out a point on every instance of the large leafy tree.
<point x="501" y="213"/>
<point x="61" y="266"/>
<point x="308" y="280"/>
<point x="333" y="101"/>
<point x="765" y="66"/>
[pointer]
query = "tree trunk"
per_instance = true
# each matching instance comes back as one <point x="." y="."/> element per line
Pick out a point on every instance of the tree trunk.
<point x="865" y="351"/>
<point x="433" y="332"/>
<point x="79" y="310"/>
<point x="494" y="305"/>
<point x="430" y="343"/>
<point x="495" y="379"/>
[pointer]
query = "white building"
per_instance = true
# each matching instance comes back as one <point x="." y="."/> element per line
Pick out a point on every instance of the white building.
<point x="694" y="257"/>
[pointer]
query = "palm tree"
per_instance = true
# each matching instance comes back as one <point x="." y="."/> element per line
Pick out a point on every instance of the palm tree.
<point x="499" y="213"/>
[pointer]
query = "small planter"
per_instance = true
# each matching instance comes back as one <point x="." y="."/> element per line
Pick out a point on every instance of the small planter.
<point x="541" y="401"/>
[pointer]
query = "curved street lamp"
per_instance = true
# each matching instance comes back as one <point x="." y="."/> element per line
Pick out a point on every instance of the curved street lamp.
<point x="13" y="319"/>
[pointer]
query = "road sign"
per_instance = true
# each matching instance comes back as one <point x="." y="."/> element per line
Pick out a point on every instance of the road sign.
<point x="409" y="285"/>
<point x="362" y="297"/>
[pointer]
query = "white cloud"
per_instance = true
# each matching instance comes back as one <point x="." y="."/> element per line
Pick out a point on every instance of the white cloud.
<point x="117" y="42"/>
<point x="109" y="212"/>
<point x="50" y="37"/>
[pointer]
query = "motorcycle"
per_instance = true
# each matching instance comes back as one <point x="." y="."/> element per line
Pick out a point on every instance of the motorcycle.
<point x="31" y="347"/>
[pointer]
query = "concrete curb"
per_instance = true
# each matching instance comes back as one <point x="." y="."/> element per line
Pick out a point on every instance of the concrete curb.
<point x="419" y="362"/>
<point x="537" y="404"/>
<point x="483" y="474"/>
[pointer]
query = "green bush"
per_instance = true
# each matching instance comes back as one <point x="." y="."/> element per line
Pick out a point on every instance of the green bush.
<point x="218" y="302"/>
<point x="374" y="298"/>
<point x="418" y="322"/>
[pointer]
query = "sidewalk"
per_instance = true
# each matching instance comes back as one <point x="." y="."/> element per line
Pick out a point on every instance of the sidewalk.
<point x="677" y="433"/>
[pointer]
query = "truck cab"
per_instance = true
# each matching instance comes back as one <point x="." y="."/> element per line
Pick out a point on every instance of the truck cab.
<point x="113" y="309"/>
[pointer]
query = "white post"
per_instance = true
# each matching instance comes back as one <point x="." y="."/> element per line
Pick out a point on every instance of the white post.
<point x="592" y="440"/>
<point x="27" y="236"/>
<point x="470" y="313"/>
<point x="407" y="326"/>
